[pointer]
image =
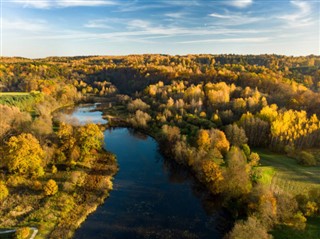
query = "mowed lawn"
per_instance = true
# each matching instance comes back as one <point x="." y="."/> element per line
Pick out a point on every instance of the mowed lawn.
<point x="286" y="175"/>
<point x="312" y="231"/>
<point x="14" y="94"/>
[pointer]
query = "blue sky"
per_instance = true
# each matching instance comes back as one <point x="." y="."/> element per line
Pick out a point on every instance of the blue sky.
<point x="40" y="28"/>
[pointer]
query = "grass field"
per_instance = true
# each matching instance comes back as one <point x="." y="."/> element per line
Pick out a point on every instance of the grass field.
<point x="14" y="94"/>
<point x="23" y="100"/>
<point x="286" y="175"/>
<point x="312" y="231"/>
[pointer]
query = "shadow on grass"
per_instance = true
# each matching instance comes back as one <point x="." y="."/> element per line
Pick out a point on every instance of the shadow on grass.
<point x="312" y="231"/>
<point x="288" y="168"/>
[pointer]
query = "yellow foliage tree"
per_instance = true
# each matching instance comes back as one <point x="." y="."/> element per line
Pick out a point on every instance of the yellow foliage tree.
<point x="203" y="140"/>
<point x="25" y="155"/>
<point x="212" y="175"/>
<point x="90" y="138"/>
<point x="4" y="192"/>
<point x="50" y="188"/>
<point x="22" y="233"/>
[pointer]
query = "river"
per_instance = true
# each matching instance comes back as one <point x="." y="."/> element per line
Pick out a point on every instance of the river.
<point x="152" y="197"/>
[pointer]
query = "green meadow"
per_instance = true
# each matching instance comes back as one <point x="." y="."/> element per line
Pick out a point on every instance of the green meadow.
<point x="284" y="174"/>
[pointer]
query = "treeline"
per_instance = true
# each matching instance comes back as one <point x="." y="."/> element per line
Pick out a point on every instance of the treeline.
<point x="209" y="123"/>
<point x="207" y="111"/>
<point x="46" y="165"/>
<point x="45" y="178"/>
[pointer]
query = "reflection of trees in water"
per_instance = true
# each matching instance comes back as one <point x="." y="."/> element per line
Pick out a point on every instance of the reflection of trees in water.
<point x="217" y="217"/>
<point x="137" y="134"/>
<point x="176" y="173"/>
<point x="138" y="232"/>
<point x="212" y="204"/>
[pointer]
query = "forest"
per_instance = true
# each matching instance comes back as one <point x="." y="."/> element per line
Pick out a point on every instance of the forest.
<point x="232" y="120"/>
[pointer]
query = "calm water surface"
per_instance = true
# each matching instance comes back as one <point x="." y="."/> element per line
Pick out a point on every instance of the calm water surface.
<point x="152" y="197"/>
<point x="83" y="114"/>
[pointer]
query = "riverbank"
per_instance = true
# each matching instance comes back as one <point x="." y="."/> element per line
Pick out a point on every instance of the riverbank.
<point x="81" y="191"/>
<point x="94" y="189"/>
<point x="82" y="187"/>
<point x="153" y="197"/>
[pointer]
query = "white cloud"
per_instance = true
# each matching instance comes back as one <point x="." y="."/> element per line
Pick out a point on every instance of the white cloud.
<point x="301" y="17"/>
<point x="176" y="15"/>
<point x="24" y="25"/>
<point x="217" y="15"/>
<point x="133" y="7"/>
<point x="34" y="3"/>
<point x="230" y="40"/>
<point x="230" y="18"/>
<point x="142" y="31"/>
<point x="138" y="24"/>
<point x="240" y="3"/>
<point x="44" y="4"/>
<point x="99" y="23"/>
<point x="84" y="3"/>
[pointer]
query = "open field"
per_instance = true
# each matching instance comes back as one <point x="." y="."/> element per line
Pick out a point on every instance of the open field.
<point x="23" y="100"/>
<point x="288" y="176"/>
<point x="312" y="231"/>
<point x="14" y="94"/>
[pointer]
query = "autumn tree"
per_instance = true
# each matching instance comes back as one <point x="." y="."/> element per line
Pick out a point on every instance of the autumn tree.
<point x="219" y="145"/>
<point x="137" y="104"/>
<point x="254" y="159"/>
<point x="269" y="113"/>
<point x="211" y="175"/>
<point x="236" y="135"/>
<point x="294" y="127"/>
<point x="12" y="120"/>
<point x="42" y="126"/>
<point x="22" y="233"/>
<point x="4" y="192"/>
<point x="90" y="138"/>
<point x="50" y="188"/>
<point x="218" y="93"/>
<point x="237" y="174"/>
<point x="203" y="140"/>
<point x="69" y="150"/>
<point x="140" y="119"/>
<point x="251" y="228"/>
<point x="172" y="133"/>
<point x="256" y="129"/>
<point x="25" y="155"/>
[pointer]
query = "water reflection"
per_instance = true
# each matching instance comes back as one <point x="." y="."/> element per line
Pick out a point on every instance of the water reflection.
<point x="153" y="197"/>
<point x="82" y="114"/>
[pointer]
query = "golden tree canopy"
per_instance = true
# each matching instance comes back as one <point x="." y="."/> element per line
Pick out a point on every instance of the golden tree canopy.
<point x="25" y="155"/>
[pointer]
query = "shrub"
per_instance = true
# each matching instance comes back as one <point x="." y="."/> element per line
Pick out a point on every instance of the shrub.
<point x="311" y="208"/>
<point x="254" y="159"/>
<point x="50" y="188"/>
<point x="37" y="185"/>
<point x="299" y="221"/>
<point x="290" y="150"/>
<point x="16" y="181"/>
<point x="307" y="159"/>
<point x="246" y="150"/>
<point x="54" y="169"/>
<point x="203" y="114"/>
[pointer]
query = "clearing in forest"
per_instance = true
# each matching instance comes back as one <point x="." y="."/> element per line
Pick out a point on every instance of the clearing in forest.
<point x="286" y="175"/>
